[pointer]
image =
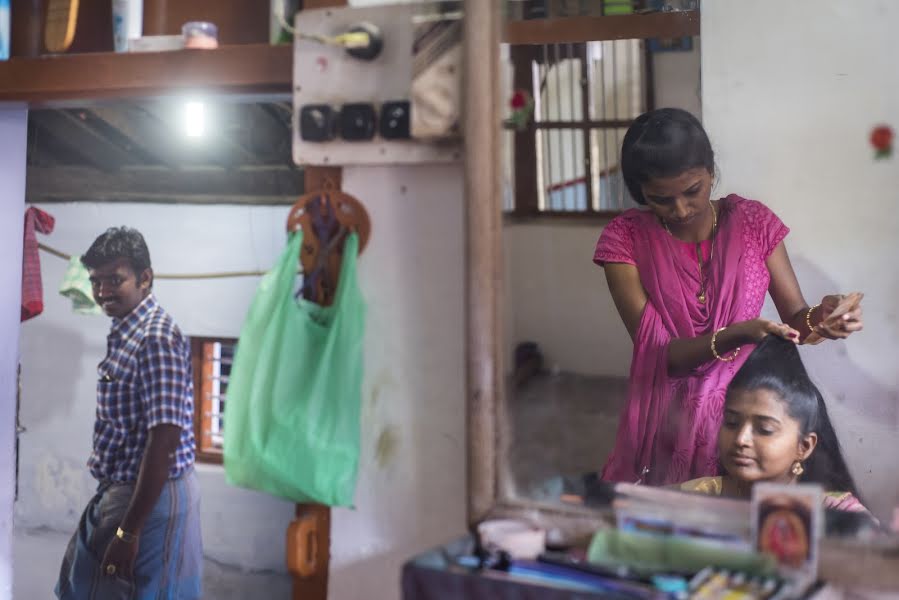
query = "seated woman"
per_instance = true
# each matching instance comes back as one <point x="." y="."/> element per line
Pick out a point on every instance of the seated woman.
<point x="776" y="429"/>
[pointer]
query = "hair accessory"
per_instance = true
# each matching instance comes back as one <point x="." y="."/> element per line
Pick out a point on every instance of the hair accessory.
<point x="730" y="358"/>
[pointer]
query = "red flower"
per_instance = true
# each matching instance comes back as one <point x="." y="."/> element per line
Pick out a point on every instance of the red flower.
<point x="519" y="99"/>
<point x="882" y="138"/>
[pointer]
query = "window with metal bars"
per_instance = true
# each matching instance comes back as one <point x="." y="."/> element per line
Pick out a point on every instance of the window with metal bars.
<point x="212" y="359"/>
<point x="566" y="162"/>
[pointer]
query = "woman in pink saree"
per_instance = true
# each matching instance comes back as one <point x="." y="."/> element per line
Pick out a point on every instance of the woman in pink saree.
<point x="689" y="277"/>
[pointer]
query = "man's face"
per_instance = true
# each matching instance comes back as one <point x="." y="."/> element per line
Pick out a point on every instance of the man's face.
<point x="117" y="289"/>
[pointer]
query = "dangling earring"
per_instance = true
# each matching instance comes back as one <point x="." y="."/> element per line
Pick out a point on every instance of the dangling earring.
<point x="798" y="469"/>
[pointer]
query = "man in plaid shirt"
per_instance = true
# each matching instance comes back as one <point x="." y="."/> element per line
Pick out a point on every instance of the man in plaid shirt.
<point x="139" y="536"/>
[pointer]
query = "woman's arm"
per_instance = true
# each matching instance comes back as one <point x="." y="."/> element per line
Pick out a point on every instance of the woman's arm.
<point x="684" y="354"/>
<point x="792" y="307"/>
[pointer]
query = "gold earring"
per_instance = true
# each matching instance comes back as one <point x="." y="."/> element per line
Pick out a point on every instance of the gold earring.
<point x="798" y="469"/>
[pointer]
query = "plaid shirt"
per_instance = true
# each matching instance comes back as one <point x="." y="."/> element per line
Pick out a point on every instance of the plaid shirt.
<point x="145" y="380"/>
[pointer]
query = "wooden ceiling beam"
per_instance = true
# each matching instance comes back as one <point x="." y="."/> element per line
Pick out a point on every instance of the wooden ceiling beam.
<point x="250" y="185"/>
<point x="124" y="120"/>
<point x="569" y="30"/>
<point x="257" y="69"/>
<point x="68" y="129"/>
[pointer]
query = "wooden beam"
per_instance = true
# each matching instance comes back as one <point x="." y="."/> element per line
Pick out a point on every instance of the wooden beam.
<point x="66" y="128"/>
<point x="315" y="587"/>
<point x="250" y="185"/>
<point x="484" y="256"/>
<point x="278" y="124"/>
<point x="217" y="145"/>
<point x="250" y="69"/>
<point x="525" y="166"/>
<point x="592" y="29"/>
<point x="153" y="143"/>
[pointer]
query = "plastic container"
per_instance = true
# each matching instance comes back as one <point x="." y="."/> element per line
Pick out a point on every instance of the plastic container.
<point x="4" y="29"/>
<point x="127" y="22"/>
<point x="200" y="35"/>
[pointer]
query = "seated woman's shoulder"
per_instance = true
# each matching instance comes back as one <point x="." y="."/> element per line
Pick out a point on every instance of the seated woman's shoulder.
<point x="710" y="486"/>
<point x="843" y="501"/>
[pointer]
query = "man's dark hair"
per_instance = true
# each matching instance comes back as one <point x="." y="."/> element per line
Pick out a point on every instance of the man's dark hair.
<point x="116" y="243"/>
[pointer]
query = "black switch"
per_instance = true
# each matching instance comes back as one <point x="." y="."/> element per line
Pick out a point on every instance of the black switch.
<point x="395" y="120"/>
<point x="318" y="123"/>
<point x="357" y="122"/>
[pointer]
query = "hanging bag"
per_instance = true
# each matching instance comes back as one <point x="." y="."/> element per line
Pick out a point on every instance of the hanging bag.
<point x="293" y="398"/>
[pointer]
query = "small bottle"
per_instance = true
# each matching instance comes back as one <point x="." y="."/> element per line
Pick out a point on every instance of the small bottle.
<point x="4" y="29"/>
<point x="127" y="22"/>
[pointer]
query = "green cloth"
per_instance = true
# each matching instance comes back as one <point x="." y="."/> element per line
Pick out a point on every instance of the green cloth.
<point x="617" y="7"/>
<point x="76" y="286"/>
<point x="664" y="553"/>
<point x="294" y="394"/>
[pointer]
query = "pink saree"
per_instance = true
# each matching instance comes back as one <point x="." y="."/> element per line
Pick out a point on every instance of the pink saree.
<point x="668" y="432"/>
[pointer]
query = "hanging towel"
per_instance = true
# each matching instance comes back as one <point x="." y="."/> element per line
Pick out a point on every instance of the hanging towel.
<point x="36" y="220"/>
<point x="76" y="286"/>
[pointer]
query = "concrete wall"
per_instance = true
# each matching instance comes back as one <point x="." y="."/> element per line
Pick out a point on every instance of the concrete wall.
<point x="12" y="207"/>
<point x="411" y="491"/>
<point x="557" y="297"/>
<point x="790" y="93"/>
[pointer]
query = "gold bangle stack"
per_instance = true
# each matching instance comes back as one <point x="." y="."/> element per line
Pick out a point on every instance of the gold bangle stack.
<point x="730" y="358"/>
<point x="808" y="318"/>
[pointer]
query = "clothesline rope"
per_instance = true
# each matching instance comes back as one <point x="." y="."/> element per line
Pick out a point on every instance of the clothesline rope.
<point x="224" y="275"/>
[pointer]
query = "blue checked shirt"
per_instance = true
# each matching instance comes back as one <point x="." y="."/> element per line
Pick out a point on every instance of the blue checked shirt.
<point x="144" y="381"/>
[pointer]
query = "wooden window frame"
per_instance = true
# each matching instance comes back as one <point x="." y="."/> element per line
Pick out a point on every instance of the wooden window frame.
<point x="201" y="404"/>
<point x="526" y="198"/>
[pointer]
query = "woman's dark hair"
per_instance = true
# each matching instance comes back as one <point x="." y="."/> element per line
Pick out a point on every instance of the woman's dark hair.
<point x="775" y="365"/>
<point x="116" y="243"/>
<point x="663" y="143"/>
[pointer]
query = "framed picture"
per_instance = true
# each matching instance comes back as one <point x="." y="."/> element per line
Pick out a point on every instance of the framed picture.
<point x="787" y="521"/>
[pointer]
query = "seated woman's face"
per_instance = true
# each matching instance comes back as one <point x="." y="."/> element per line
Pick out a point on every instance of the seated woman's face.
<point x="759" y="440"/>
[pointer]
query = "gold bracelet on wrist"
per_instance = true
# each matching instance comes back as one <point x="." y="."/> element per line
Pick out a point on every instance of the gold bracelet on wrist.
<point x="128" y="538"/>
<point x="808" y="318"/>
<point x="730" y="358"/>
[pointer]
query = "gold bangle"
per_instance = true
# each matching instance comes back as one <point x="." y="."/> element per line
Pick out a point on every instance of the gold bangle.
<point x="730" y="358"/>
<point x="808" y="318"/>
<point x="128" y="538"/>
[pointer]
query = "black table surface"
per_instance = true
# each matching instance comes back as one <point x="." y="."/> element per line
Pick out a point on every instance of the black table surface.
<point x="435" y="575"/>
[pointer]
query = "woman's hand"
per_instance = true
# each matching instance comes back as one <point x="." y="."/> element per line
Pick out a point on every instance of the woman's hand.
<point x="839" y="326"/>
<point x="754" y="331"/>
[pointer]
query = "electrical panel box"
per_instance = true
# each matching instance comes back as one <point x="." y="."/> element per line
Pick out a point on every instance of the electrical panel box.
<point x="396" y="101"/>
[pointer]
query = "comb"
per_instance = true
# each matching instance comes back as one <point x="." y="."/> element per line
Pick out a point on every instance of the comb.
<point x="59" y="31"/>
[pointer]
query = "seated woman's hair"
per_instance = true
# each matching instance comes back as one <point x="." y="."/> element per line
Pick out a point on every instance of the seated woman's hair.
<point x="775" y="365"/>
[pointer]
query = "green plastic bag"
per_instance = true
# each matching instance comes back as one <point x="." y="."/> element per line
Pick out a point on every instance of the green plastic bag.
<point x="293" y="399"/>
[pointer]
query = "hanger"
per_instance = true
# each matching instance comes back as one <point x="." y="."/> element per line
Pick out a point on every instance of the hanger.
<point x="327" y="217"/>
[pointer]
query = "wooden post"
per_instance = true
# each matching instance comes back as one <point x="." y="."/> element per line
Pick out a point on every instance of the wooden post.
<point x="484" y="242"/>
<point x="309" y="535"/>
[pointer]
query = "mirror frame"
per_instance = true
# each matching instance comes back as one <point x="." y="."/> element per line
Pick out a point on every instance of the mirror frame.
<point x="845" y="562"/>
<point x="489" y="484"/>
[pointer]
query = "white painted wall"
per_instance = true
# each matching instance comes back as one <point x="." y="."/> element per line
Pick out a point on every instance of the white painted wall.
<point x="411" y="494"/>
<point x="676" y="79"/>
<point x="790" y="93"/>
<point x="557" y="297"/>
<point x="13" y="122"/>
